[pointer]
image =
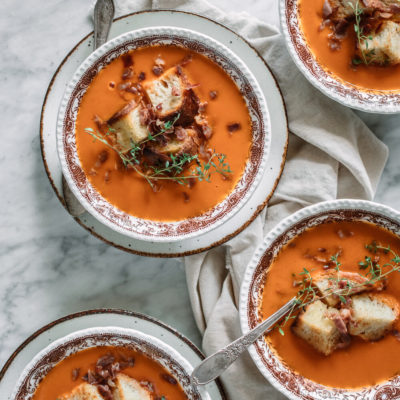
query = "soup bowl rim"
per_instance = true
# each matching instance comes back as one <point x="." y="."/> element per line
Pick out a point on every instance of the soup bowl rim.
<point x="69" y="341"/>
<point x="331" y="85"/>
<point x="297" y="386"/>
<point x="146" y="229"/>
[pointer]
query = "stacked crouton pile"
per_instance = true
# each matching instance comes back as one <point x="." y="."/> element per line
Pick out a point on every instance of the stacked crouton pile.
<point x="379" y="28"/>
<point x="329" y="323"/>
<point x="166" y="104"/>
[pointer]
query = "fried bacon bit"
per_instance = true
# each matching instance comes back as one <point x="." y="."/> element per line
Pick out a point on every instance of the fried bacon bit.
<point x="186" y="60"/>
<point x="207" y="131"/>
<point x="159" y="107"/>
<point x="132" y="89"/>
<point x="124" y="86"/>
<point x="175" y="91"/>
<point x="127" y="60"/>
<point x="101" y="125"/>
<point x="343" y="233"/>
<point x="144" y="116"/>
<point x="127" y="73"/>
<point x="159" y="61"/>
<point x="180" y="133"/>
<point x="105" y="391"/>
<point x="233" y="127"/>
<point x="142" y="76"/>
<point x="157" y="70"/>
<point x="107" y="176"/>
<point x="202" y="106"/>
<point x="121" y="113"/>
<point x="112" y="85"/>
<point x="179" y="70"/>
<point x="213" y="94"/>
<point x="75" y="374"/>
<point x="191" y="182"/>
<point x="322" y="249"/>
<point x="101" y="158"/>
<point x="326" y="9"/>
<point x="168" y="378"/>
<point x="186" y="197"/>
<point x="340" y="324"/>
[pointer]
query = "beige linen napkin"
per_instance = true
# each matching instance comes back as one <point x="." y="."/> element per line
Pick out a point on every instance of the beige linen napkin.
<point x="331" y="154"/>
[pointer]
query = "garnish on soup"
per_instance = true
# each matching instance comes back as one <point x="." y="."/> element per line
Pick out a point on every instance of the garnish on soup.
<point x="109" y="374"/>
<point x="165" y="141"/>
<point x="357" y="40"/>
<point x="347" y="309"/>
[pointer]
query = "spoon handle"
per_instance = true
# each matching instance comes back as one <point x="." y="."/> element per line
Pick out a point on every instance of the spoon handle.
<point x="214" y="365"/>
<point x="103" y="16"/>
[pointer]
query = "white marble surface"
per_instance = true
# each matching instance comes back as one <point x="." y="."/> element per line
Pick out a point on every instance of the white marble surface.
<point x="50" y="266"/>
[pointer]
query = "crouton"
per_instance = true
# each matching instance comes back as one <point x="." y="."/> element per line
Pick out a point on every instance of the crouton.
<point x="315" y="327"/>
<point x="384" y="47"/>
<point x="347" y="283"/>
<point x="128" y="388"/>
<point x="182" y="141"/>
<point x="373" y="315"/>
<point x="82" y="392"/>
<point x="128" y="126"/>
<point x="171" y="94"/>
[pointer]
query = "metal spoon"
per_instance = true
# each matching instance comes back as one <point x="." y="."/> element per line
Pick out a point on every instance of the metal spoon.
<point x="214" y="365"/>
<point x="103" y="16"/>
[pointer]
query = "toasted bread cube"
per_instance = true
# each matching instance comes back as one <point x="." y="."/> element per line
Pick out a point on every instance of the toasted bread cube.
<point x="186" y="143"/>
<point x="167" y="93"/>
<point x="347" y="283"/>
<point x="128" y="388"/>
<point x="373" y="315"/>
<point x="128" y="127"/>
<point x="384" y="48"/>
<point x="82" y="392"/>
<point x="171" y="94"/>
<point x="316" y="328"/>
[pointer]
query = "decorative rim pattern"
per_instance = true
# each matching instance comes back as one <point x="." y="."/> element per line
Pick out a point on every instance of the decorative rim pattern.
<point x="62" y="348"/>
<point x="375" y="101"/>
<point x="136" y="227"/>
<point x="271" y="366"/>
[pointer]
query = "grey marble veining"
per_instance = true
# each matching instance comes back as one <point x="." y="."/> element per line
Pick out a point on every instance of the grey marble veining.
<point x="49" y="265"/>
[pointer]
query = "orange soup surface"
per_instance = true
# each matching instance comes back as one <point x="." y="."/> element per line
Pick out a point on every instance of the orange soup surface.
<point x="62" y="379"/>
<point x="125" y="188"/>
<point x="339" y="62"/>
<point x="362" y="363"/>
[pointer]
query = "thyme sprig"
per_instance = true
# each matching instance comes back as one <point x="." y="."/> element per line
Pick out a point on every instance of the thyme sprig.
<point x="130" y="157"/>
<point x="173" y="169"/>
<point x="362" y="39"/>
<point x="308" y="292"/>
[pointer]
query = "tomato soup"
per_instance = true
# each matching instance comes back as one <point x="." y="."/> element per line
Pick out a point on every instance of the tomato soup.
<point x="339" y="62"/>
<point x="362" y="363"/>
<point x="127" y="190"/>
<point x="69" y="373"/>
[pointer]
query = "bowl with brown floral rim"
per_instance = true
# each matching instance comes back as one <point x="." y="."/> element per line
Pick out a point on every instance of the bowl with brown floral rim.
<point x="168" y="358"/>
<point x="291" y="383"/>
<point x="361" y="97"/>
<point x="145" y="229"/>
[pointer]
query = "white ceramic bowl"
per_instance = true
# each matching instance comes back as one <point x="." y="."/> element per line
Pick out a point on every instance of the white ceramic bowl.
<point x="290" y="383"/>
<point x="120" y="221"/>
<point x="60" y="349"/>
<point x="375" y="101"/>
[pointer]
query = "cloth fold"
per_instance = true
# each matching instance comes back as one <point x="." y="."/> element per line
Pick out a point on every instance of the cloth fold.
<point x="331" y="154"/>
